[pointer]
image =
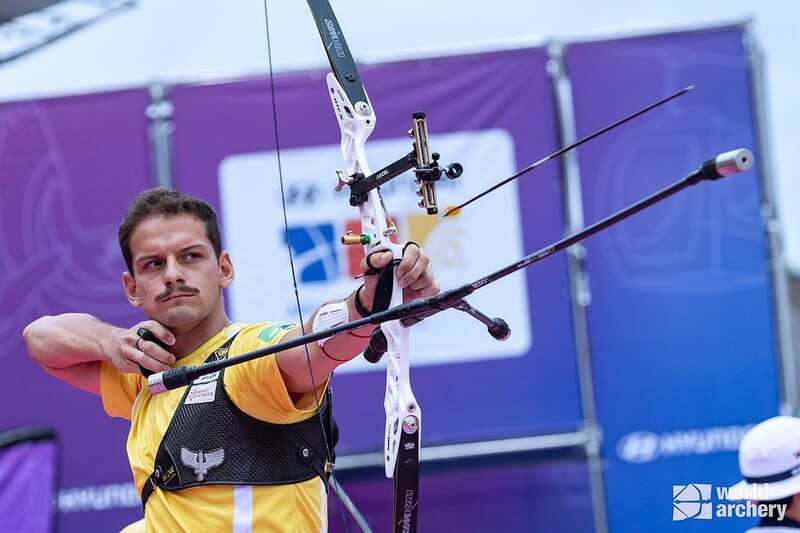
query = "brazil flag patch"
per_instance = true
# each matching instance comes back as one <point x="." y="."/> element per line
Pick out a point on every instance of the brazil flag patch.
<point x="271" y="331"/>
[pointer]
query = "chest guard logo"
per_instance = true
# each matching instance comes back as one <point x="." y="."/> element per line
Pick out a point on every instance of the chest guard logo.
<point x="201" y="462"/>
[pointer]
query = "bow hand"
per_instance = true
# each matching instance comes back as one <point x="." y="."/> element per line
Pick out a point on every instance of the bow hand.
<point x="414" y="275"/>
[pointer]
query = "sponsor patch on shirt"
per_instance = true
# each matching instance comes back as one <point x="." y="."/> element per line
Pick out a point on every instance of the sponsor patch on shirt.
<point x="205" y="378"/>
<point x="202" y="393"/>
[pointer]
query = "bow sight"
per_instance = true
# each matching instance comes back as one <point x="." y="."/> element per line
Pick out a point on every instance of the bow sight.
<point x="425" y="165"/>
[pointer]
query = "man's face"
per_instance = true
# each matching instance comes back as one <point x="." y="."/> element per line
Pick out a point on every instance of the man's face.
<point x="176" y="278"/>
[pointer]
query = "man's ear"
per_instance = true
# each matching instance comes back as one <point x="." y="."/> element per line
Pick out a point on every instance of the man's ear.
<point x="130" y="289"/>
<point x="226" y="272"/>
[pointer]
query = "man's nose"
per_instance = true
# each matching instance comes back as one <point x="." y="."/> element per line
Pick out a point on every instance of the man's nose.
<point x="173" y="274"/>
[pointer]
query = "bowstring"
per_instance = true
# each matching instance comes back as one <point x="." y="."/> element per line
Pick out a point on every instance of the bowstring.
<point x="317" y="403"/>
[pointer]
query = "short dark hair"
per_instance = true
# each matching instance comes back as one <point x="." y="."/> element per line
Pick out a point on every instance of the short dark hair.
<point x="166" y="202"/>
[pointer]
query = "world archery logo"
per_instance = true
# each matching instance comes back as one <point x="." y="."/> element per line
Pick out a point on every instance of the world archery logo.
<point x="692" y="501"/>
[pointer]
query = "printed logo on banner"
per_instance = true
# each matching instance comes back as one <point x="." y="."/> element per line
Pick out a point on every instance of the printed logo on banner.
<point x="691" y="501"/>
<point x="462" y="249"/>
<point x="444" y="242"/>
<point x="699" y="501"/>
<point x="317" y="247"/>
<point x="315" y="252"/>
<point x="647" y="446"/>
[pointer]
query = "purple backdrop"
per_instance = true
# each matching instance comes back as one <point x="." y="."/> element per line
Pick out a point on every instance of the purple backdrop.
<point x="681" y="319"/>
<point x="474" y="495"/>
<point x="68" y="169"/>
<point x="27" y="473"/>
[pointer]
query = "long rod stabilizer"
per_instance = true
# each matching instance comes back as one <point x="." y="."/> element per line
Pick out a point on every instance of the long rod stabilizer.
<point x="726" y="164"/>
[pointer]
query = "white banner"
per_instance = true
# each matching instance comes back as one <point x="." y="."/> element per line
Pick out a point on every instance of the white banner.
<point x="484" y="238"/>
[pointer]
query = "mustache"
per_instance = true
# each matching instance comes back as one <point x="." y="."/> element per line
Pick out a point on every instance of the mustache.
<point x="179" y="290"/>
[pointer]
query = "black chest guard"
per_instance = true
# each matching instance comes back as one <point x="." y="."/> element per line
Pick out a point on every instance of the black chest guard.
<point x="210" y="441"/>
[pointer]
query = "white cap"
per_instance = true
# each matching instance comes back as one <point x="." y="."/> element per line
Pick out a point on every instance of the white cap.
<point x="769" y="454"/>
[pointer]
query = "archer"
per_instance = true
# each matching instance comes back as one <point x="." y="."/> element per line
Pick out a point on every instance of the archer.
<point x="206" y="457"/>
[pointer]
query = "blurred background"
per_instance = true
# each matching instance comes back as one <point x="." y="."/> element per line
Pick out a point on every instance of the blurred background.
<point x="638" y="358"/>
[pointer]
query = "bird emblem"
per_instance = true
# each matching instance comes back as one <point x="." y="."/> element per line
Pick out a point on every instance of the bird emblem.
<point x="202" y="462"/>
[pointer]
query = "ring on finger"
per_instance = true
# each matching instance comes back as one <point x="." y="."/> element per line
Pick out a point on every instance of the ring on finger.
<point x="137" y="344"/>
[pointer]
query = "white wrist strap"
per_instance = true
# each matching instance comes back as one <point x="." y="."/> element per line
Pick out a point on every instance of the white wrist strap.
<point x="330" y="315"/>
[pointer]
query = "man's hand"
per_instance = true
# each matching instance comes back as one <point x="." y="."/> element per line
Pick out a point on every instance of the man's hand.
<point x="127" y="351"/>
<point x="72" y="346"/>
<point x="414" y="275"/>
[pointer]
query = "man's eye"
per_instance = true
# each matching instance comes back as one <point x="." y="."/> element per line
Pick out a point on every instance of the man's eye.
<point x="192" y="256"/>
<point x="152" y="264"/>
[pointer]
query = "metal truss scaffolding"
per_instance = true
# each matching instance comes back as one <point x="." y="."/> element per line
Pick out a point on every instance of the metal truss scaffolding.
<point x="28" y="25"/>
